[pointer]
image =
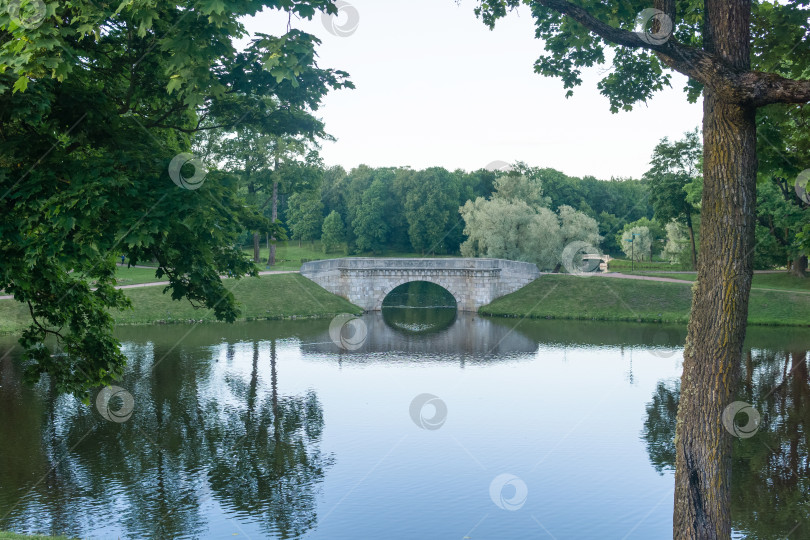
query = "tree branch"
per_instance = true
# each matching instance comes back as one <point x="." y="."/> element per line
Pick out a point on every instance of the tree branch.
<point x="37" y="323"/>
<point x="748" y="87"/>
<point x="758" y="89"/>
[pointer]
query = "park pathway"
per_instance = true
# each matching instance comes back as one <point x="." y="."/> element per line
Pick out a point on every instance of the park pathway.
<point x="643" y="278"/>
<point x="615" y="275"/>
<point x="156" y="283"/>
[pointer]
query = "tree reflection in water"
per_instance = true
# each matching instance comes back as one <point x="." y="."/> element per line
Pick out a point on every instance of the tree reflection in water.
<point x="771" y="470"/>
<point x="197" y="437"/>
<point x="265" y="457"/>
<point x="419" y="307"/>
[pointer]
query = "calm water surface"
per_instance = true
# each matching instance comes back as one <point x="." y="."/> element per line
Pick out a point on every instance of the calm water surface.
<point x="530" y="429"/>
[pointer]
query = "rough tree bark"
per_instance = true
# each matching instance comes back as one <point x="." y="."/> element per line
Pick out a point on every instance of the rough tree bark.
<point x="713" y="350"/>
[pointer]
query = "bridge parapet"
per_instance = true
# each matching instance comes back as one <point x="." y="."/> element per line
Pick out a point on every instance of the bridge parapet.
<point x="473" y="282"/>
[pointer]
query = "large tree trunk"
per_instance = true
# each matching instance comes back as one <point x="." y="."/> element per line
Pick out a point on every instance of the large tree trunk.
<point x="799" y="266"/>
<point x="713" y="350"/>
<point x="712" y="355"/>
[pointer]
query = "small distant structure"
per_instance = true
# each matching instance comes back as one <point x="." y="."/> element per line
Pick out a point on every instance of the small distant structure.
<point x="603" y="260"/>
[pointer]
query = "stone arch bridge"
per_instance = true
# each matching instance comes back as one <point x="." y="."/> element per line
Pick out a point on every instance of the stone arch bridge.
<point x="472" y="282"/>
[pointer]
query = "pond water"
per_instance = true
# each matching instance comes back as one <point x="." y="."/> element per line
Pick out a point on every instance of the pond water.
<point x="419" y="425"/>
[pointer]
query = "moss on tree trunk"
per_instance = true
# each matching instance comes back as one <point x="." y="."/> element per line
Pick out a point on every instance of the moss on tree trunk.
<point x="717" y="325"/>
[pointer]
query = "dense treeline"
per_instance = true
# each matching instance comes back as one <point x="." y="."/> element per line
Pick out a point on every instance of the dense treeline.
<point x="388" y="209"/>
<point x="657" y="218"/>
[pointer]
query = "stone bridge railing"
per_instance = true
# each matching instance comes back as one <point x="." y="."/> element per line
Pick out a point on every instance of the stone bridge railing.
<point x="472" y="282"/>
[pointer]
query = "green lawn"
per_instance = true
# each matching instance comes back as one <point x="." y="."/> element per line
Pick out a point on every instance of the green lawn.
<point x="551" y="296"/>
<point x="782" y="281"/>
<point x="622" y="265"/>
<point x="266" y="297"/>
<point x="601" y="298"/>
<point x="691" y="276"/>
<point x="132" y="276"/>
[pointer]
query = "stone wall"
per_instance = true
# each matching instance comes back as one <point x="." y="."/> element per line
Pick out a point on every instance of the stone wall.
<point x="367" y="281"/>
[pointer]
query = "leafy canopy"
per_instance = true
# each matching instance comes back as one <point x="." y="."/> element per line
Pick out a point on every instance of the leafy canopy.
<point x="95" y="101"/>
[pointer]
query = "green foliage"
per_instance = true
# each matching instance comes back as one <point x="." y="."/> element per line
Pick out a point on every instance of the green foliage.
<point x="502" y="228"/>
<point x="676" y="185"/>
<point x="95" y="102"/>
<point x="656" y="236"/>
<point x="506" y="226"/>
<point x="637" y="243"/>
<point x="635" y="75"/>
<point x="420" y="213"/>
<point x="677" y="242"/>
<point x="783" y="147"/>
<point x="305" y="215"/>
<point x="333" y="231"/>
<point x="613" y="203"/>
<point x="516" y="187"/>
<point x="369" y="224"/>
<point x="431" y="200"/>
<point x="419" y="210"/>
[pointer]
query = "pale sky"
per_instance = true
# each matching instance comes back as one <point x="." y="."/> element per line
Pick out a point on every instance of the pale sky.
<point x="435" y="87"/>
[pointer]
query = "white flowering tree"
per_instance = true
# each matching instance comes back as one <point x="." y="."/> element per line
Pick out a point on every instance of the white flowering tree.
<point x="637" y="243"/>
<point x="676" y="240"/>
<point x="516" y="224"/>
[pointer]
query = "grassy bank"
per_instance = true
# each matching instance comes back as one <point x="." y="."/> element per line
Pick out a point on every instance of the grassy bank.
<point x="133" y="276"/>
<point x="781" y="281"/>
<point x="610" y="299"/>
<point x="266" y="297"/>
<point x="624" y="265"/>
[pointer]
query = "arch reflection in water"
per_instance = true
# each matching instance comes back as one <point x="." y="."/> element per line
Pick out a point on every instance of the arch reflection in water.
<point x="468" y="336"/>
<point x="419" y="307"/>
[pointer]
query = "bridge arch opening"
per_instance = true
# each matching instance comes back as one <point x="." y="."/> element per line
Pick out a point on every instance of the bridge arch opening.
<point x="419" y="307"/>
